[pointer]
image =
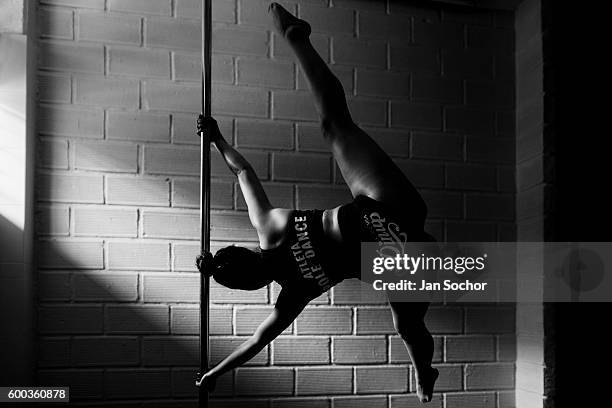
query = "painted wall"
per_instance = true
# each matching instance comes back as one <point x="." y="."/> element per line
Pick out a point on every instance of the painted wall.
<point x="117" y="189"/>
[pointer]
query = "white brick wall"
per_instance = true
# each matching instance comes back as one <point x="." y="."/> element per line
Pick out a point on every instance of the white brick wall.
<point x="118" y="191"/>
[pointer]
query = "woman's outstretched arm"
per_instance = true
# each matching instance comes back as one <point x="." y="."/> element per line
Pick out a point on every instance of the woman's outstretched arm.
<point x="287" y="308"/>
<point x="256" y="199"/>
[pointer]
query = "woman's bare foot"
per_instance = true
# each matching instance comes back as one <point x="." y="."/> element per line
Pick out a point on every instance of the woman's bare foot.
<point x="425" y="385"/>
<point x="287" y="25"/>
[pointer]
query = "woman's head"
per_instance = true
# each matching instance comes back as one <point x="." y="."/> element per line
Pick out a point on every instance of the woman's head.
<point x="240" y="268"/>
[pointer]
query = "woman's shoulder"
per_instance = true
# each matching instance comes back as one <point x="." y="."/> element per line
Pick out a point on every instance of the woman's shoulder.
<point x="272" y="234"/>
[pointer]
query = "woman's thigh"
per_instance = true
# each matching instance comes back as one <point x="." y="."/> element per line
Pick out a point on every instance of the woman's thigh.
<point x="368" y="169"/>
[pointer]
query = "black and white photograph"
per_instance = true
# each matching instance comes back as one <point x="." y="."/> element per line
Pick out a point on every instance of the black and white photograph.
<point x="304" y="204"/>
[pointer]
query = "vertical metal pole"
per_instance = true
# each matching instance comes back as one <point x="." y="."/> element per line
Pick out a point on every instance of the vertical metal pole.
<point x="205" y="194"/>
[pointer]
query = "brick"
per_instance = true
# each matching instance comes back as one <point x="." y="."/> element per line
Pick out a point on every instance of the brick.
<point x="324" y="381"/>
<point x="374" y="321"/>
<point x="289" y="166"/>
<point x="351" y="51"/>
<point x="70" y="319"/>
<point x="105" y="287"/>
<point x="468" y="16"/>
<point x="490" y="93"/>
<point x="499" y="40"/>
<point x="472" y="348"/>
<point x="53" y="154"/>
<point x="104" y="351"/>
<point x="328" y="20"/>
<point x="471" y="177"/>
<point x="507" y="348"/>
<point x="314" y="350"/>
<point x="460" y="231"/>
<point x="183" y="256"/>
<point x="249" y="319"/>
<point x="440" y="146"/>
<point x="179" y="34"/>
<point x="68" y="56"/>
<point x="170" y="225"/>
<point x="232" y="227"/>
<point x="264" y="134"/>
<point x="188" y="67"/>
<point x="158" y="7"/>
<point x="93" y="221"/>
<point x="324" y="320"/>
<point x="467" y="64"/>
<point x="138" y="126"/>
<point x="358" y="401"/>
<point x="183" y="288"/>
<point x="106" y="92"/>
<point x="418" y="116"/>
<point x="54" y="352"/>
<point x="54" y="88"/>
<point x="490" y="206"/>
<point x="70" y="255"/>
<point x="489" y="376"/>
<point x="186" y="193"/>
<point x="385" y="26"/>
<point x="238" y="41"/>
<point x="264" y="381"/>
<point x="309" y="402"/>
<point x="84" y="384"/>
<point x="136" y="319"/>
<point x="158" y="95"/>
<point x="103" y="27"/>
<point x="475" y="121"/>
<point x="444" y="320"/>
<point x="322" y="197"/>
<point x="439" y="35"/>
<point x="172" y="160"/>
<point x="268" y="73"/>
<point x="169" y="350"/>
<point x="186" y="320"/>
<point x="106" y="156"/>
<point x="55" y="23"/>
<point x="255" y="12"/>
<point x="359" y="350"/>
<point x="437" y="89"/>
<point x="488" y="150"/>
<point x="489" y="320"/>
<point x="280" y="195"/>
<point x="415" y="59"/>
<point x="422" y="174"/>
<point x="476" y="400"/>
<point x="320" y="42"/>
<point x="139" y="62"/>
<point x="383" y="84"/>
<point x="71" y="122"/>
<point x="310" y="138"/>
<point x="138" y="256"/>
<point x="351" y="292"/>
<point x="90" y="4"/>
<point x="293" y="105"/>
<point x="140" y="383"/>
<point x="136" y="191"/>
<point x="423" y="12"/>
<point x="366" y="111"/>
<point x="54" y="286"/>
<point x="399" y="354"/>
<point x="373" y="380"/>
<point x="410" y="401"/>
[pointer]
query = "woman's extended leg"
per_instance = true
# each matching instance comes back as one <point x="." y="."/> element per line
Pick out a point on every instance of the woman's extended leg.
<point x="366" y="168"/>
<point x="408" y="321"/>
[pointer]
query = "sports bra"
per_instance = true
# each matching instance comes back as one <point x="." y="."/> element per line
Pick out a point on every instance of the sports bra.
<point x="304" y="261"/>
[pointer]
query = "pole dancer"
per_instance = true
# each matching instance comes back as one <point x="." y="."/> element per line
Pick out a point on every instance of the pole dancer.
<point x="204" y="260"/>
<point x="309" y="251"/>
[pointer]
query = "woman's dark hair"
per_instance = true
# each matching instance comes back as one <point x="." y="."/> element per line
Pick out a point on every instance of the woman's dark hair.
<point x="240" y="268"/>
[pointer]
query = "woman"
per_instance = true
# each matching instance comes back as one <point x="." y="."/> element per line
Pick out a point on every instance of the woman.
<point x="299" y="248"/>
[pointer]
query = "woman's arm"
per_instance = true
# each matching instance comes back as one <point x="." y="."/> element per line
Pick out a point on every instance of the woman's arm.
<point x="256" y="199"/>
<point x="287" y="308"/>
